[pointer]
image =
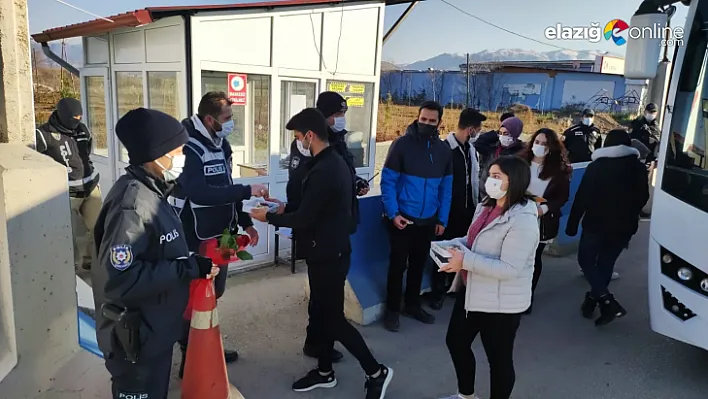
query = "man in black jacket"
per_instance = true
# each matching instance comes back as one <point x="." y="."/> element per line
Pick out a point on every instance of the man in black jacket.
<point x="583" y="139"/>
<point x="68" y="141"/>
<point x="646" y="130"/>
<point x="613" y="191"/>
<point x="141" y="280"/>
<point x="325" y="220"/>
<point x="465" y="190"/>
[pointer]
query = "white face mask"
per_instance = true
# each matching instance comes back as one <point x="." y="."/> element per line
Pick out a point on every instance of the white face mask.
<point x="506" y="140"/>
<point x="587" y="121"/>
<point x="340" y="123"/>
<point x="539" y="150"/>
<point x="175" y="170"/>
<point x="493" y="188"/>
<point x="226" y="129"/>
<point x="649" y="116"/>
<point x="304" y="151"/>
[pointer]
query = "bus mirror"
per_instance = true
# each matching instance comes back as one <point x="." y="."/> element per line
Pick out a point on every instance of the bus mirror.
<point x="647" y="35"/>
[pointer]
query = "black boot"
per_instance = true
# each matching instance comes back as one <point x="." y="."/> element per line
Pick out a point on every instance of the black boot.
<point x="436" y="301"/>
<point x="610" y="309"/>
<point x="392" y="321"/>
<point x="418" y="313"/>
<point x="588" y="306"/>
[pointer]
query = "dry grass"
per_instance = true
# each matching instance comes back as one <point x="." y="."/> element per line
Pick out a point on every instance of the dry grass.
<point x="394" y="119"/>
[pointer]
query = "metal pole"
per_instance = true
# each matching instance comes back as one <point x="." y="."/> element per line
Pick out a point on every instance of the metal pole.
<point x="398" y="22"/>
<point x="467" y="71"/>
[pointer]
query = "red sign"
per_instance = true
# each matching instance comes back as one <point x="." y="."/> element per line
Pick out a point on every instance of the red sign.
<point x="237" y="88"/>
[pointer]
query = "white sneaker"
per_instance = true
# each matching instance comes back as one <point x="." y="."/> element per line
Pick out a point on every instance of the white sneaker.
<point x="615" y="275"/>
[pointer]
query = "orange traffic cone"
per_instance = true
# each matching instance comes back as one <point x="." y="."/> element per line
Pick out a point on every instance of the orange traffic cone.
<point x="205" y="375"/>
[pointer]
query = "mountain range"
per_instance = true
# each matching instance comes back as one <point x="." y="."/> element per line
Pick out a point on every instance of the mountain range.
<point x="447" y="61"/>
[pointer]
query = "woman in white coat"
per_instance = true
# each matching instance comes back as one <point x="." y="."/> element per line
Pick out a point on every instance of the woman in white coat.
<point x="494" y="266"/>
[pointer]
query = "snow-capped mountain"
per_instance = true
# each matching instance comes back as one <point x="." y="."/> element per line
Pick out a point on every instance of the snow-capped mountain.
<point x="448" y="61"/>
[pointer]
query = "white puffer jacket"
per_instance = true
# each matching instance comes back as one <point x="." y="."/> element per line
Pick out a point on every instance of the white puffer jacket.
<point x="500" y="262"/>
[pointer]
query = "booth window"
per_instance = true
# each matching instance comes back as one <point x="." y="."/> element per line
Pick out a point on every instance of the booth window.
<point x="295" y="96"/>
<point x="163" y="92"/>
<point x="96" y="113"/>
<point x="129" y="96"/>
<point x="360" y="99"/>
<point x="251" y="135"/>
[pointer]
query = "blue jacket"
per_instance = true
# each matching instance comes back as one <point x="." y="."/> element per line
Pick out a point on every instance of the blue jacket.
<point x="206" y="197"/>
<point x="416" y="181"/>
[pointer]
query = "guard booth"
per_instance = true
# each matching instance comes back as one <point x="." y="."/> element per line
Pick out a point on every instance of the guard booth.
<point x="272" y="58"/>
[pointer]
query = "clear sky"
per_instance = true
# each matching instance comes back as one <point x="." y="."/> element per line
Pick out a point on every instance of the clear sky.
<point x="433" y="28"/>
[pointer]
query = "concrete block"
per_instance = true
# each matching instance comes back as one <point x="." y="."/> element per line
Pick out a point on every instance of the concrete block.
<point x="36" y="272"/>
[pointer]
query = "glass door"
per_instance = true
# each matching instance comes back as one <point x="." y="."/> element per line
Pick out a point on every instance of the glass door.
<point x="296" y="95"/>
<point x="97" y="115"/>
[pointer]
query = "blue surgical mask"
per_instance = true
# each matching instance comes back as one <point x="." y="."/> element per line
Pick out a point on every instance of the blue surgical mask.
<point x="173" y="173"/>
<point x="340" y="123"/>
<point x="226" y="129"/>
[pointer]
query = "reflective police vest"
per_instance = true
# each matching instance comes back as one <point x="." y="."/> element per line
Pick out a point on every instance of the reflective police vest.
<point x="73" y="152"/>
<point x="202" y="222"/>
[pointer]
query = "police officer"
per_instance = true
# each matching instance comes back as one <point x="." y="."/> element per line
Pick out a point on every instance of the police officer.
<point x="207" y="198"/>
<point x="326" y="222"/>
<point x="141" y="280"/>
<point x="68" y="141"/>
<point x="583" y="139"/>
<point x="646" y="130"/>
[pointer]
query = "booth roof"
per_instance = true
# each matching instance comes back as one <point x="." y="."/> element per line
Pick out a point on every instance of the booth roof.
<point x="151" y="14"/>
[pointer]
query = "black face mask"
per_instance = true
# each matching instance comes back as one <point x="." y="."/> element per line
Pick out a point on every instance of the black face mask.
<point x="426" y="130"/>
<point x="67" y="110"/>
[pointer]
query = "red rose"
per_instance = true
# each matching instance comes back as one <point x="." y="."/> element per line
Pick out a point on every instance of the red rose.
<point x="242" y="241"/>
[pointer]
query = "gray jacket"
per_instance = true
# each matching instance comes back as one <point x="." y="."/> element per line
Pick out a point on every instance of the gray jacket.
<point x="143" y="263"/>
<point x="500" y="262"/>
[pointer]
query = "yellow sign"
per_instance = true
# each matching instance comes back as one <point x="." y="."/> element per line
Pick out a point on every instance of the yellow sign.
<point x="355" y="101"/>
<point x="341" y="87"/>
<point x="338" y="87"/>
<point x="357" y="88"/>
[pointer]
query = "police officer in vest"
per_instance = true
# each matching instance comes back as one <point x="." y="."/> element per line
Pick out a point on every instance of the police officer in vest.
<point x="68" y="141"/>
<point x="583" y="139"/>
<point x="141" y="280"/>
<point x="207" y="198"/>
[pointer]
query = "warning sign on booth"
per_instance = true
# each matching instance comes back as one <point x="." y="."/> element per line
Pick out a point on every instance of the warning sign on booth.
<point x="237" y="88"/>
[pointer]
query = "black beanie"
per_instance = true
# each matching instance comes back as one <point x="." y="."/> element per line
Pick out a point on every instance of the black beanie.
<point x="329" y="103"/>
<point x="148" y="134"/>
<point x="617" y="137"/>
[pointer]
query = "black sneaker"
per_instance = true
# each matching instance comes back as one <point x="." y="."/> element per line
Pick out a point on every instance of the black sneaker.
<point x="588" y="306"/>
<point x="313" y="352"/>
<point x="376" y="387"/>
<point x="419" y="314"/>
<point x="610" y="309"/>
<point x="230" y="356"/>
<point x="314" y="380"/>
<point x="391" y="321"/>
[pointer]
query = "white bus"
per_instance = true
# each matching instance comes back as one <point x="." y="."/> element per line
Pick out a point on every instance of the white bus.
<point x="678" y="247"/>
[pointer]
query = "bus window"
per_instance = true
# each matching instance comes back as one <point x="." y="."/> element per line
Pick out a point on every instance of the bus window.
<point x="686" y="168"/>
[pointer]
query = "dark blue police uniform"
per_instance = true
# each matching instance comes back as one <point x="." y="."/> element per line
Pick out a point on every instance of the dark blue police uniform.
<point x="144" y="264"/>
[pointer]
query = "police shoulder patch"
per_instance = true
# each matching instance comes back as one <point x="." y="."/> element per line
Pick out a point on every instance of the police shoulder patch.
<point x="56" y="136"/>
<point x="121" y="257"/>
<point x="295" y="162"/>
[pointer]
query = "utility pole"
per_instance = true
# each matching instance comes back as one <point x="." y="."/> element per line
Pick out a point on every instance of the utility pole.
<point x="467" y="72"/>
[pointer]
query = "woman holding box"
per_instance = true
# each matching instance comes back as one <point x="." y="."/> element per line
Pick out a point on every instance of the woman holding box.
<point x="494" y="270"/>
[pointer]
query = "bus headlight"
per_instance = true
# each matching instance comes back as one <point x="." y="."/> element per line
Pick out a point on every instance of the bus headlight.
<point x="684" y="274"/>
<point x="704" y="284"/>
<point x="667" y="258"/>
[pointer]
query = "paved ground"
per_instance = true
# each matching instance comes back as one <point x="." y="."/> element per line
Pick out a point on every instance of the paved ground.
<point x="559" y="355"/>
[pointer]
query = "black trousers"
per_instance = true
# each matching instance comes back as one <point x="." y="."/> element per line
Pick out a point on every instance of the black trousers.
<point x="219" y="289"/>
<point x="537" y="267"/>
<point x="146" y="379"/>
<point x="498" y="332"/>
<point x="327" y="322"/>
<point x="410" y="249"/>
<point x="597" y="254"/>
